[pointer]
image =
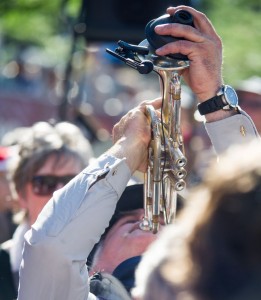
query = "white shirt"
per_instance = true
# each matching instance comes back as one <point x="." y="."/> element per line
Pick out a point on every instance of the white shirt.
<point x="56" y="248"/>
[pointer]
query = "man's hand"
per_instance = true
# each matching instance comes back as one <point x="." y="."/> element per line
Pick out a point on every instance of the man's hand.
<point x="132" y="134"/>
<point x="203" y="47"/>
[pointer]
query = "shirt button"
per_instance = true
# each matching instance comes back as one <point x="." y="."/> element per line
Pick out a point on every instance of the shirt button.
<point x="114" y="172"/>
<point x="242" y="130"/>
<point x="107" y="165"/>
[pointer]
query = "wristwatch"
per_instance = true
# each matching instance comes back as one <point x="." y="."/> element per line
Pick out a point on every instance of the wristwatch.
<point x="225" y="99"/>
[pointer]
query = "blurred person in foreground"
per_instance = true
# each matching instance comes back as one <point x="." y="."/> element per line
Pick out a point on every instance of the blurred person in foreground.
<point x="72" y="222"/>
<point x="48" y="157"/>
<point x="213" y="252"/>
<point x="249" y="94"/>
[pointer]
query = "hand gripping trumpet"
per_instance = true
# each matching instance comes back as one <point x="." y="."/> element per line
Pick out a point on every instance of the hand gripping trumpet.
<point x="166" y="157"/>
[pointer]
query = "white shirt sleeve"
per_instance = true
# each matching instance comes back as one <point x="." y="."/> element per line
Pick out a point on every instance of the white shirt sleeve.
<point x="237" y="129"/>
<point x="56" y="248"/>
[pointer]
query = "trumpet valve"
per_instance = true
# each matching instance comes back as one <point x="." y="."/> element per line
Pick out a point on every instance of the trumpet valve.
<point x="181" y="162"/>
<point x="180" y="173"/>
<point x="180" y="185"/>
<point x="145" y="224"/>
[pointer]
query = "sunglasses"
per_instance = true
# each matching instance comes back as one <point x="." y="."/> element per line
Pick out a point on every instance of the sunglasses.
<point x="45" y="185"/>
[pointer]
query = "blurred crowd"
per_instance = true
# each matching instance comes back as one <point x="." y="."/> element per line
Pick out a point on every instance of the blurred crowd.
<point x="99" y="97"/>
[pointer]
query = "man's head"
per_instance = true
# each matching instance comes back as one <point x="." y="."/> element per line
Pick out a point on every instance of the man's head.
<point x="123" y="238"/>
<point x="123" y="242"/>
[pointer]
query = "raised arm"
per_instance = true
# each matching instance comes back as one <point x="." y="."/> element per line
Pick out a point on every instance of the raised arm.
<point x="56" y="248"/>
<point x="226" y="125"/>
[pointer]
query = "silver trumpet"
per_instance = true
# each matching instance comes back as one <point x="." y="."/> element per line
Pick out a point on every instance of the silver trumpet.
<point x="166" y="156"/>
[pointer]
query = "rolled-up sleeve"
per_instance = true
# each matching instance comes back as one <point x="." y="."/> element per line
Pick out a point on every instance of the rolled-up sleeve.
<point x="56" y="247"/>
<point x="235" y="130"/>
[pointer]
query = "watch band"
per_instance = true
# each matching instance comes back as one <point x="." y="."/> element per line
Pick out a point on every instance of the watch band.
<point x="211" y="105"/>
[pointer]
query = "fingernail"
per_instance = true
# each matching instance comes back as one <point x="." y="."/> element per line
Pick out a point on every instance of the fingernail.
<point x="158" y="27"/>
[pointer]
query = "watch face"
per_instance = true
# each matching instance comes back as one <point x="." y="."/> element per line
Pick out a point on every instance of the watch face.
<point x="231" y="96"/>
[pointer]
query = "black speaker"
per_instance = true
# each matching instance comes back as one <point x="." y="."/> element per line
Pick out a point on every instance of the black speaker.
<point x="113" y="20"/>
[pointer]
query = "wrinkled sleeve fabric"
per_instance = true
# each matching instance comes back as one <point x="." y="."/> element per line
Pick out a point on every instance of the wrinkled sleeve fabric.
<point x="56" y="248"/>
<point x="235" y="130"/>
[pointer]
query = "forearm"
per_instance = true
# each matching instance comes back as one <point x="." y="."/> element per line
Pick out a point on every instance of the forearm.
<point x="133" y="152"/>
<point x="54" y="260"/>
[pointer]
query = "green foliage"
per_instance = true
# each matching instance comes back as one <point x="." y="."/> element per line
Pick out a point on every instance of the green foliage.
<point x="28" y="27"/>
<point x="238" y="22"/>
<point x="26" y="23"/>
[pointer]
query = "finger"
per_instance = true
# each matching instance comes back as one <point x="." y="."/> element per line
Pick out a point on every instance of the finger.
<point x="182" y="46"/>
<point x="192" y="49"/>
<point x="156" y="103"/>
<point x="181" y="31"/>
<point x="201" y="21"/>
